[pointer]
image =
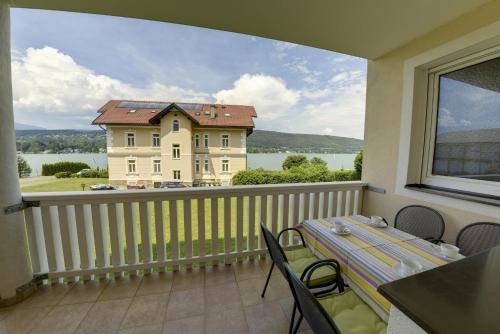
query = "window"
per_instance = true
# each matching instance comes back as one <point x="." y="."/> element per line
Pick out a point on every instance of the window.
<point x="175" y="125"/>
<point x="225" y="166"/>
<point x="156" y="140"/>
<point x="176" y="151"/>
<point x="131" y="166"/>
<point x="156" y="166"/>
<point x="205" y="139"/>
<point x="177" y="175"/>
<point x="462" y="146"/>
<point x="225" y="141"/>
<point x="130" y="139"/>
<point x="205" y="166"/>
<point x="197" y="166"/>
<point x="197" y="141"/>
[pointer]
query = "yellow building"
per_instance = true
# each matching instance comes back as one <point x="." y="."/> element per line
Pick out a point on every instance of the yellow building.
<point x="153" y="142"/>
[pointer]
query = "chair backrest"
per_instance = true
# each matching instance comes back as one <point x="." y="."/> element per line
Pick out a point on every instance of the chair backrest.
<point x="275" y="251"/>
<point x="316" y="316"/>
<point x="477" y="237"/>
<point x="421" y="221"/>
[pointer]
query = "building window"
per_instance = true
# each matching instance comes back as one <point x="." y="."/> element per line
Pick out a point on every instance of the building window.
<point x="176" y="151"/>
<point x="177" y="175"/>
<point x="462" y="144"/>
<point x="205" y="140"/>
<point x="131" y="166"/>
<point x="205" y="166"/>
<point x="156" y="140"/>
<point x="197" y="166"/>
<point x="225" y="141"/>
<point x="197" y="141"/>
<point x="225" y="166"/>
<point x="157" y="166"/>
<point x="130" y="139"/>
<point x="175" y="125"/>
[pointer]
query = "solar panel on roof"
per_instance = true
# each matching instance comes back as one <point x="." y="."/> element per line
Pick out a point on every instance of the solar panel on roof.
<point x="143" y="105"/>
<point x="190" y="106"/>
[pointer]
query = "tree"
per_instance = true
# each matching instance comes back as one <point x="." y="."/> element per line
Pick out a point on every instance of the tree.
<point x="294" y="161"/>
<point x="358" y="163"/>
<point x="318" y="161"/>
<point x="23" y="168"/>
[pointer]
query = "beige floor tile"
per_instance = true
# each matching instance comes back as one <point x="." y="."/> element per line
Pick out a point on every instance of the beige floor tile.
<point x="146" y="310"/>
<point x="231" y="321"/>
<point x="84" y="292"/>
<point x="287" y="306"/>
<point x="46" y="295"/>
<point x="187" y="303"/>
<point x="266" y="318"/>
<point x="251" y="290"/>
<point x="62" y="319"/>
<point x="248" y="270"/>
<point x="221" y="274"/>
<point x="5" y="311"/>
<point x="191" y="325"/>
<point x="22" y="320"/>
<point x="222" y="297"/>
<point x="149" y="329"/>
<point x="105" y="316"/>
<point x="188" y="279"/>
<point x="155" y="283"/>
<point x="119" y="288"/>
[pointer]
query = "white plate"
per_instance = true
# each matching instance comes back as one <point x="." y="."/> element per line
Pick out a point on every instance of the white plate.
<point x="381" y="225"/>
<point x="401" y="273"/>
<point x="346" y="231"/>
<point x="438" y="252"/>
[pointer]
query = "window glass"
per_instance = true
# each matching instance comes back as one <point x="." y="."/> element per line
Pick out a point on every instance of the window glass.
<point x="205" y="166"/>
<point x="467" y="141"/>
<point x="130" y="139"/>
<point x="176" y="151"/>
<point x="131" y="166"/>
<point x="197" y="166"/>
<point x="156" y="166"/>
<point x="225" y="165"/>
<point x="177" y="174"/>
<point x="156" y="140"/>
<point x="175" y="125"/>
<point x="205" y="138"/>
<point x="196" y="141"/>
<point x="225" y="141"/>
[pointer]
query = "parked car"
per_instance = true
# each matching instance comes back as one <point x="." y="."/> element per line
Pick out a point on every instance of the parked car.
<point x="136" y="186"/>
<point x="102" y="187"/>
<point x="82" y="171"/>
<point x="172" y="185"/>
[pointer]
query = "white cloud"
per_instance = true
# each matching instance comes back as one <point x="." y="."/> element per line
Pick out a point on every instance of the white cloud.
<point x="282" y="46"/>
<point x="269" y="95"/>
<point x="346" y="76"/>
<point x="49" y="82"/>
<point x="328" y="131"/>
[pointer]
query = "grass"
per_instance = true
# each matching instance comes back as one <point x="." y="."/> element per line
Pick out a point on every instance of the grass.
<point x="69" y="184"/>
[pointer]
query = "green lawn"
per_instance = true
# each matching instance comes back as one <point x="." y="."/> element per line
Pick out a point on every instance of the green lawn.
<point x="69" y="184"/>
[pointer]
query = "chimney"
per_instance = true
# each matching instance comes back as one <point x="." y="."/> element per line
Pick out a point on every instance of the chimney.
<point x="212" y="111"/>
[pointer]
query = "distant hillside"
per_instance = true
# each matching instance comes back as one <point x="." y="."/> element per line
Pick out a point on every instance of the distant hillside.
<point x="21" y="126"/>
<point x="60" y="141"/>
<point x="273" y="141"/>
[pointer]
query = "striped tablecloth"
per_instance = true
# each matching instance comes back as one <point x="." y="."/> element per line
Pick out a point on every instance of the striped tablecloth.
<point x="368" y="254"/>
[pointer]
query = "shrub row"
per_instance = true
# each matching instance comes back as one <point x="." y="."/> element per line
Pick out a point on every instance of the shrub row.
<point x="91" y="173"/>
<point x="64" y="166"/>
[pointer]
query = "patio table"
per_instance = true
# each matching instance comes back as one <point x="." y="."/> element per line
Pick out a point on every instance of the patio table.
<point x="366" y="256"/>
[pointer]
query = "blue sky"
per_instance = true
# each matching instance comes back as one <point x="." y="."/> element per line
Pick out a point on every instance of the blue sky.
<point x="66" y="65"/>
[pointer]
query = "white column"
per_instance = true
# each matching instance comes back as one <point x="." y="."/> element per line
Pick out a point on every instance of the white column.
<point x="15" y="268"/>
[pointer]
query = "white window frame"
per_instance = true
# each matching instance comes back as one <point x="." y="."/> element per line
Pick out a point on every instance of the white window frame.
<point x="129" y="160"/>
<point x="206" y="166"/>
<point x="155" y="135"/>
<point x="206" y="140"/>
<point x="176" y="121"/>
<point x="176" y="177"/>
<point x="197" y="166"/>
<point x="134" y="139"/>
<point x="176" y="151"/>
<point x="222" y="139"/>
<point x="412" y="127"/>
<point x="197" y="141"/>
<point x="227" y="165"/>
<point x="156" y="162"/>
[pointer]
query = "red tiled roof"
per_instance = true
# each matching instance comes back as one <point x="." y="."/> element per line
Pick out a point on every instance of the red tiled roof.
<point x="236" y="116"/>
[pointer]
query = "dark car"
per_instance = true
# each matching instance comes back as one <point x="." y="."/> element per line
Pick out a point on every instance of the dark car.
<point x="136" y="186"/>
<point x="172" y="185"/>
<point x="102" y="187"/>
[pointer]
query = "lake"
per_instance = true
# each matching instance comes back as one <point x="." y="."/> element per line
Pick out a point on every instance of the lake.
<point x="255" y="160"/>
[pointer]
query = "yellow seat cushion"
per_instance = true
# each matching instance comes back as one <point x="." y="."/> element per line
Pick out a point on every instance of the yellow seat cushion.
<point x="299" y="253"/>
<point x="352" y="315"/>
<point x="319" y="276"/>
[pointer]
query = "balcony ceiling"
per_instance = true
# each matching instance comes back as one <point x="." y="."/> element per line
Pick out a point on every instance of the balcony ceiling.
<point x="363" y="28"/>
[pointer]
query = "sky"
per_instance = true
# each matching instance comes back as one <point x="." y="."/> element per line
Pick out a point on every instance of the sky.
<point x="66" y="65"/>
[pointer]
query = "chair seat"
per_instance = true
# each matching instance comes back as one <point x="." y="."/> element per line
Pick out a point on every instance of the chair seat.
<point x="298" y="253"/>
<point x="352" y="315"/>
<point x="319" y="277"/>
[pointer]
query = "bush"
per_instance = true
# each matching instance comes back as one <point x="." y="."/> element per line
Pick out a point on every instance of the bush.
<point x="65" y="166"/>
<point x="62" y="175"/>
<point x="93" y="173"/>
<point x="358" y="164"/>
<point x="294" y="161"/>
<point x="23" y="168"/>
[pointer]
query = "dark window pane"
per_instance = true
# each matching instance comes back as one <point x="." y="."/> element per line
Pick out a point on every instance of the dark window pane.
<point x="468" y="125"/>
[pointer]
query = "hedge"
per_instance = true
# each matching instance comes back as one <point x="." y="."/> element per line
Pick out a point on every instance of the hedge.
<point x="64" y="166"/>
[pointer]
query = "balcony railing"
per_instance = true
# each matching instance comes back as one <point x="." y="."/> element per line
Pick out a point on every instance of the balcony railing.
<point x="86" y="234"/>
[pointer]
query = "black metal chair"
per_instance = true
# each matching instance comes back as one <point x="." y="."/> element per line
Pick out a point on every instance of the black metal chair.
<point x="478" y="237"/>
<point x="322" y="314"/>
<point x="421" y="221"/>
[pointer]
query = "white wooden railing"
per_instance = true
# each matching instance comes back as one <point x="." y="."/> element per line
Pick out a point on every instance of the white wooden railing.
<point x="92" y="234"/>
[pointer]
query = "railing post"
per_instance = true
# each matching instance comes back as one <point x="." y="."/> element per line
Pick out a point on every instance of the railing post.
<point x="15" y="263"/>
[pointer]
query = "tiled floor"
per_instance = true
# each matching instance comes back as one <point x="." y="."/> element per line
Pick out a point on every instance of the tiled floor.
<point x="221" y="299"/>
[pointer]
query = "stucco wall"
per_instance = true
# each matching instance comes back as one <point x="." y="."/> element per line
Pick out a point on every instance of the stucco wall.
<point x="383" y="116"/>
